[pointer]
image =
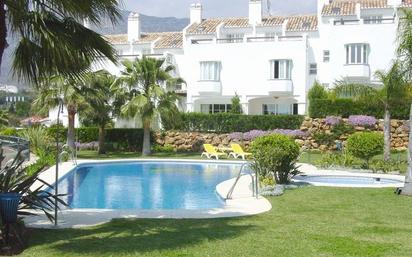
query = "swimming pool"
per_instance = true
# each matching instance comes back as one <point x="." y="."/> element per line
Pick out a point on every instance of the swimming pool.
<point x="146" y="185"/>
<point x="348" y="181"/>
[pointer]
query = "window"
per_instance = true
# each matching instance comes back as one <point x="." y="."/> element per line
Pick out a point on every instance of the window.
<point x="277" y="109"/>
<point x="326" y="55"/>
<point x="313" y="69"/>
<point x="215" y="108"/>
<point x="357" y="54"/>
<point x="373" y="19"/>
<point x="280" y="69"/>
<point x="210" y="71"/>
<point x="234" y="38"/>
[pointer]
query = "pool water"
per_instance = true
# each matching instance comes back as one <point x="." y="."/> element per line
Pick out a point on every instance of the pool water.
<point x="146" y="185"/>
<point x="347" y="180"/>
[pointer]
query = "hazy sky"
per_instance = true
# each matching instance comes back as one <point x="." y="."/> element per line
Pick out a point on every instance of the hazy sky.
<point x="215" y="8"/>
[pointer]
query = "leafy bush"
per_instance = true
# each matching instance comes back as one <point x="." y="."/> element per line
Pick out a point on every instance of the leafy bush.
<point x="365" y="145"/>
<point x="15" y="178"/>
<point x="39" y="138"/>
<point x="118" y="139"/>
<point x="275" y="156"/>
<point x="229" y="122"/>
<point x="163" y="149"/>
<point x="317" y="91"/>
<point x="236" y="106"/>
<point x="341" y="129"/>
<point x="11" y="132"/>
<point x="343" y="159"/>
<point x="324" y="138"/>
<point x="321" y="108"/>
<point x="387" y="166"/>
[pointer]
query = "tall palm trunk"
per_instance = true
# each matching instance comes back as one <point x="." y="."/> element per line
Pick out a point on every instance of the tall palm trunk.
<point x="407" y="189"/>
<point x="71" y="110"/>
<point x="3" y="30"/>
<point x="387" y="135"/>
<point x="146" y="137"/>
<point x="101" y="140"/>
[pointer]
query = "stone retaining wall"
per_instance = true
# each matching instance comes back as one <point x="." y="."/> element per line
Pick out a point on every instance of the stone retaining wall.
<point x="192" y="141"/>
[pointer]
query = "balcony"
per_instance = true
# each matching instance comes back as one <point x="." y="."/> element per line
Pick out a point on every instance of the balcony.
<point x="206" y="87"/>
<point x="356" y="71"/>
<point x="280" y="86"/>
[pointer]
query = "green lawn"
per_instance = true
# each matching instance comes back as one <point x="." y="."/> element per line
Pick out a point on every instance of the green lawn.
<point x="309" y="221"/>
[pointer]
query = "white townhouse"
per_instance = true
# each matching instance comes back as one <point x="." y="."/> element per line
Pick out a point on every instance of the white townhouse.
<point x="270" y="62"/>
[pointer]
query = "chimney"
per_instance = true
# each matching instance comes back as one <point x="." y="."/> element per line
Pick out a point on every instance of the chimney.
<point x="196" y="13"/>
<point x="133" y="27"/>
<point x="395" y="3"/>
<point x="255" y="12"/>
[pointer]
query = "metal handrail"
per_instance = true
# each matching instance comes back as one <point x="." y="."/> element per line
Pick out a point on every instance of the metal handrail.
<point x="254" y="183"/>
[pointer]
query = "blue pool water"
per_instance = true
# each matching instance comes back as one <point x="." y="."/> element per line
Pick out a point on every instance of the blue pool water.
<point x="146" y="185"/>
<point x="347" y="180"/>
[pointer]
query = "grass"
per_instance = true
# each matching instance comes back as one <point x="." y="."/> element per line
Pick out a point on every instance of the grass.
<point x="305" y="222"/>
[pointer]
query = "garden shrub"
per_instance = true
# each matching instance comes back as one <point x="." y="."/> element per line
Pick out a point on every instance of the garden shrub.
<point x="324" y="138"/>
<point x="317" y="91"/>
<point x="343" y="159"/>
<point x="229" y="122"/>
<point x="163" y="148"/>
<point x="275" y="156"/>
<point x="321" y="108"/>
<point x="11" y="132"/>
<point x="365" y="145"/>
<point x="39" y="138"/>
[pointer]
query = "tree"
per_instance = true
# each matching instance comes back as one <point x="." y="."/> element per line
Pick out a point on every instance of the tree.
<point x="393" y="90"/>
<point x="49" y="34"/>
<point x="56" y="90"/>
<point x="404" y="52"/>
<point x="98" y="95"/>
<point x="148" y="86"/>
<point x="236" y="106"/>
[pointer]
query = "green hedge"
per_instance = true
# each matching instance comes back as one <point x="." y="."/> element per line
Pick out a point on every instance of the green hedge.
<point x="229" y="122"/>
<point x="320" y="108"/>
<point x="116" y="139"/>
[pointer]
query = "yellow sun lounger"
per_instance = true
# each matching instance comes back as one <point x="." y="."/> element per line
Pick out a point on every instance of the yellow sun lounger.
<point x="210" y="151"/>
<point x="237" y="152"/>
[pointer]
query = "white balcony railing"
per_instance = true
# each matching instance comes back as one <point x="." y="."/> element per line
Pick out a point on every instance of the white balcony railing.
<point x="245" y="40"/>
<point x="209" y="87"/>
<point x="356" y="70"/>
<point x="280" y="86"/>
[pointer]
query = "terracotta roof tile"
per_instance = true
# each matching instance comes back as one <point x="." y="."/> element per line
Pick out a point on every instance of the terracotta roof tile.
<point x="348" y="7"/>
<point x="165" y="39"/>
<point x="302" y="23"/>
<point x="273" y="21"/>
<point x="170" y="40"/>
<point x="407" y="3"/>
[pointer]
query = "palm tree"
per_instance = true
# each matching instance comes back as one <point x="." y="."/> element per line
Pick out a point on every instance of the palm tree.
<point x="146" y="83"/>
<point x="49" y="34"/>
<point x="98" y="95"/>
<point x="58" y="89"/>
<point x="404" y="52"/>
<point x="393" y="90"/>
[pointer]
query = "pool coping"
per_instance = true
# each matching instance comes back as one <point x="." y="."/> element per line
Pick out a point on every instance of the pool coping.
<point x="325" y="172"/>
<point x="242" y="204"/>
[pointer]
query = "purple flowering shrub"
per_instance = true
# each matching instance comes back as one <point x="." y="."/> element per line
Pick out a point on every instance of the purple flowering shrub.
<point x="362" y="120"/>
<point x="258" y="133"/>
<point x="333" y="120"/>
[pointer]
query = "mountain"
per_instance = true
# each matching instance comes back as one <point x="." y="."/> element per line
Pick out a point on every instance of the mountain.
<point x="149" y="24"/>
